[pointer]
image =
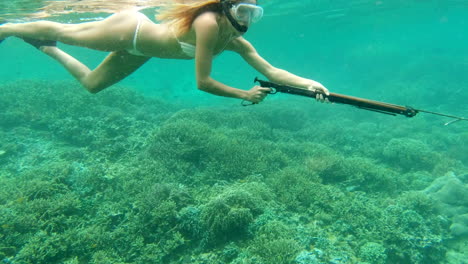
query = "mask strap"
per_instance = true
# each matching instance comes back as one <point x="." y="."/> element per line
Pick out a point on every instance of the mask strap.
<point x="226" y="9"/>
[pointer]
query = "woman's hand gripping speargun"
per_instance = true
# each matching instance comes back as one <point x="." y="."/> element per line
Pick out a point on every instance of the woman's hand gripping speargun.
<point x="257" y="94"/>
<point x="320" y="91"/>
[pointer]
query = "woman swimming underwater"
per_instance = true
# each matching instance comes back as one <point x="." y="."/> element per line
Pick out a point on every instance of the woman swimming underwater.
<point x="199" y="30"/>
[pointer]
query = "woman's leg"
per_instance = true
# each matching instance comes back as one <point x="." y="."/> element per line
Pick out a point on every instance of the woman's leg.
<point x="115" y="67"/>
<point x="113" y="33"/>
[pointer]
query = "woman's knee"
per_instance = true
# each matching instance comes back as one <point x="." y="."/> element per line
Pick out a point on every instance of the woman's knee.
<point x="93" y="90"/>
<point x="94" y="86"/>
<point x="52" y="29"/>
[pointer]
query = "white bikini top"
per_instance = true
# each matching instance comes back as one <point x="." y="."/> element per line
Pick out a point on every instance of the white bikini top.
<point x="187" y="48"/>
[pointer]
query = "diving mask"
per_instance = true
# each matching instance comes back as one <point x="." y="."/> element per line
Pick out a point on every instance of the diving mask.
<point x="241" y="15"/>
<point x="247" y="13"/>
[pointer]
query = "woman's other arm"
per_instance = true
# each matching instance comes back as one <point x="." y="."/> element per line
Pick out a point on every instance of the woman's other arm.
<point x="251" y="56"/>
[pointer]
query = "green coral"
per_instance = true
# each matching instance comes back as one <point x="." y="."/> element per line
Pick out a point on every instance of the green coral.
<point x="274" y="243"/>
<point x="228" y="215"/>
<point x="297" y="188"/>
<point x="353" y="172"/>
<point x="192" y="145"/>
<point x="184" y="140"/>
<point x="373" y="253"/>
<point x="410" y="154"/>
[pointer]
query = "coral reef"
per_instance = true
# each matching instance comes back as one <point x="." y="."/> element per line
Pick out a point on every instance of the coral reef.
<point x="122" y="178"/>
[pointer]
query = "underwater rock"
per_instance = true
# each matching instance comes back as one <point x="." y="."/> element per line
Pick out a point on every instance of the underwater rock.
<point x="463" y="178"/>
<point x="307" y="257"/>
<point x="451" y="195"/>
<point x="459" y="225"/>
<point x="454" y="257"/>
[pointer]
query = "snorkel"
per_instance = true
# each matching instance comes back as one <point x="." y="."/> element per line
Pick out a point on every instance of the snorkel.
<point x="226" y="6"/>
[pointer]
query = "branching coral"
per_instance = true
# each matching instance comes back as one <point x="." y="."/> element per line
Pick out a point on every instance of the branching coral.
<point x="410" y="154"/>
<point x="227" y="216"/>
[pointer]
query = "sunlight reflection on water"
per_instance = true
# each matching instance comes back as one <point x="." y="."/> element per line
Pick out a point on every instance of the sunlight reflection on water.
<point x="68" y="10"/>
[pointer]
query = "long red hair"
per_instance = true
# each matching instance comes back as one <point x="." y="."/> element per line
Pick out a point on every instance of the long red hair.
<point x="180" y="14"/>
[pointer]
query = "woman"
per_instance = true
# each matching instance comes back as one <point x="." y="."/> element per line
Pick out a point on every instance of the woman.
<point x="200" y="30"/>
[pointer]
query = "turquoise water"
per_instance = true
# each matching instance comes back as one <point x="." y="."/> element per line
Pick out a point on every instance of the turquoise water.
<point x="154" y="171"/>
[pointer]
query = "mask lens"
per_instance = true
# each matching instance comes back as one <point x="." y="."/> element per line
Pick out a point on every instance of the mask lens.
<point x="248" y="13"/>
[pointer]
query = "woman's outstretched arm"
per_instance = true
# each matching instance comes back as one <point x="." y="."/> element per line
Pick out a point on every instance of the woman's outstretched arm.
<point x="250" y="55"/>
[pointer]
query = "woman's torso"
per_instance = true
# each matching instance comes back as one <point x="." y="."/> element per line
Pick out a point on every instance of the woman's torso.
<point x="159" y="40"/>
